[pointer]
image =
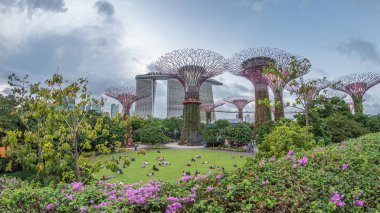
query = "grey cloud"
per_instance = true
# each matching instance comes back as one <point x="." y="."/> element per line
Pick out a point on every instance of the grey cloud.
<point x="361" y="49"/>
<point x="30" y="6"/>
<point x="255" y="5"/>
<point x="105" y="8"/>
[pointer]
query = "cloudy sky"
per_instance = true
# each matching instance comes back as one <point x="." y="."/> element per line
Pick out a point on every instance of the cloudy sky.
<point x="110" y="41"/>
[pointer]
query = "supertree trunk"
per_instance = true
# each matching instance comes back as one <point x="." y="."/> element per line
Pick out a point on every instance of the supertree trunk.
<point x="262" y="111"/>
<point x="358" y="105"/>
<point x="208" y="117"/>
<point x="240" y="115"/>
<point x="191" y="132"/>
<point x="278" y="105"/>
<point x="128" y="135"/>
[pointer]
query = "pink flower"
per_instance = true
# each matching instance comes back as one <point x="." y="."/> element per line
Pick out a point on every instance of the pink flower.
<point x="229" y="187"/>
<point x="77" y="186"/>
<point x="173" y="207"/>
<point x="209" y="189"/>
<point x="289" y="154"/>
<point x="49" y="207"/>
<point x="82" y="209"/>
<point x="345" y="166"/>
<point x="265" y="182"/>
<point x="358" y="203"/>
<point x="172" y="199"/>
<point x="101" y="182"/>
<point x="303" y="161"/>
<point x="218" y="176"/>
<point x="186" y="199"/>
<point x="187" y="178"/>
<point x="337" y="199"/>
<point x="70" y="197"/>
<point x="273" y="158"/>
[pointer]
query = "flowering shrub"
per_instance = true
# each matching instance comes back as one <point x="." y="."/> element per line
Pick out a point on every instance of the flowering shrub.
<point x="317" y="184"/>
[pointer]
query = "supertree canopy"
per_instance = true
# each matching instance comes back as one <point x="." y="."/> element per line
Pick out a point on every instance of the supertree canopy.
<point x="210" y="107"/>
<point x="126" y="96"/>
<point x="250" y="64"/>
<point x="191" y="67"/>
<point x="240" y="103"/>
<point x="356" y="85"/>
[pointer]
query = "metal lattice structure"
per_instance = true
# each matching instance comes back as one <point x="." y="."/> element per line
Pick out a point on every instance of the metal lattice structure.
<point x="191" y="67"/>
<point x="334" y="93"/>
<point x="239" y="102"/>
<point x="126" y="96"/>
<point x="356" y="85"/>
<point x="249" y="64"/>
<point x="208" y="108"/>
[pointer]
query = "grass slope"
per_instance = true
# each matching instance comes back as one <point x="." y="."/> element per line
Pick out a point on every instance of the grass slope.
<point x="178" y="160"/>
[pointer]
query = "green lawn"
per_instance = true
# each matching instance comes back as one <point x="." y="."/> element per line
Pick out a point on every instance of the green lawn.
<point x="178" y="160"/>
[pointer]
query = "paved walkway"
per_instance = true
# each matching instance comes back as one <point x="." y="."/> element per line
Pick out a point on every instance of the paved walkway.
<point x="176" y="146"/>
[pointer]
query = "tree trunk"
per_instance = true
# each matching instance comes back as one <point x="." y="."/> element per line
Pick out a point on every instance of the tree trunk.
<point x="191" y="132"/>
<point x="240" y="115"/>
<point x="307" y="115"/>
<point x="76" y="157"/>
<point x="262" y="111"/>
<point x="358" y="105"/>
<point x="278" y="105"/>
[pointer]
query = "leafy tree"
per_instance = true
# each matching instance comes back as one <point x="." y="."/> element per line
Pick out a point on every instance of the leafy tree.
<point x="57" y="126"/>
<point x="239" y="134"/>
<point x="214" y="134"/>
<point x="173" y="126"/>
<point x="152" y="134"/>
<point x="288" y="136"/>
<point x="342" y="128"/>
<point x="8" y="118"/>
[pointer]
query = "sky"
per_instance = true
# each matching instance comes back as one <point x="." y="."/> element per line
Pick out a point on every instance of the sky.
<point x="111" y="41"/>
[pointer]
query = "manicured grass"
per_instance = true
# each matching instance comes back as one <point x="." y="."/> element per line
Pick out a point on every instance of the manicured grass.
<point x="178" y="160"/>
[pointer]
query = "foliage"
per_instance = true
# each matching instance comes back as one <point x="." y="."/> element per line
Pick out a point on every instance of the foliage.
<point x="57" y="131"/>
<point x="8" y="118"/>
<point x="285" y="137"/>
<point x="214" y="134"/>
<point x="152" y="134"/>
<point x="305" y="181"/>
<point x="239" y="134"/>
<point x="172" y="127"/>
<point x="342" y="128"/>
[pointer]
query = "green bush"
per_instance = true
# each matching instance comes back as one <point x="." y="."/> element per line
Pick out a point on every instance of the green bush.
<point x="341" y="128"/>
<point x="152" y="135"/>
<point x="288" y="136"/>
<point x="239" y="134"/>
<point x="214" y="134"/>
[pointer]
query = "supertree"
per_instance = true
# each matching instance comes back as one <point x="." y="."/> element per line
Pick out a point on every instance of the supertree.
<point x="306" y="91"/>
<point x="210" y="107"/>
<point x="240" y="103"/>
<point x="126" y="96"/>
<point x="278" y="75"/>
<point x="191" y="67"/>
<point x="250" y="64"/>
<point x="356" y="85"/>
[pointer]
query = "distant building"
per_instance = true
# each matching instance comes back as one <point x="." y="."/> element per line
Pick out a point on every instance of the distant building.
<point x="97" y="108"/>
<point x="248" y="118"/>
<point x="175" y="95"/>
<point x="114" y="109"/>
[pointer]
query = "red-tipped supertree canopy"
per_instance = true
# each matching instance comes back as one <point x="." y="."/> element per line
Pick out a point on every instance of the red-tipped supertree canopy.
<point x="307" y="91"/>
<point x="191" y="67"/>
<point x="249" y="64"/>
<point x="126" y="96"/>
<point x="240" y="103"/>
<point x="210" y="107"/>
<point x="356" y="85"/>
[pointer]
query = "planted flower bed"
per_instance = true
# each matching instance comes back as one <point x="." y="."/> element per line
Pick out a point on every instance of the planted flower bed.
<point x="342" y="178"/>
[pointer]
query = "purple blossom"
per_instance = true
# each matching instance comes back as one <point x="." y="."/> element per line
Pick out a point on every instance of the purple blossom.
<point x="358" y="195"/>
<point x="218" y="176"/>
<point x="186" y="199"/>
<point x="112" y="197"/>
<point x="209" y="189"/>
<point x="120" y="198"/>
<point x="187" y="178"/>
<point x="229" y="187"/>
<point x="343" y="146"/>
<point x="273" y="158"/>
<point x="345" y="166"/>
<point x="303" y="161"/>
<point x="49" y="207"/>
<point x="96" y="207"/>
<point x="70" y="197"/>
<point x="100" y="182"/>
<point x="337" y="199"/>
<point x="172" y="199"/>
<point x="358" y="203"/>
<point x="173" y="207"/>
<point x="265" y="182"/>
<point x="82" y="209"/>
<point x="92" y="201"/>
<point x="289" y="154"/>
<point x="77" y="186"/>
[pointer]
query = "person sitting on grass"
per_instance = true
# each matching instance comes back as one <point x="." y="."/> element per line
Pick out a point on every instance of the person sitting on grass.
<point x="212" y="166"/>
<point x="192" y="160"/>
<point x="155" y="168"/>
<point x="119" y="171"/>
<point x="166" y="163"/>
<point x="146" y="163"/>
<point x="150" y="174"/>
<point x="197" y="156"/>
